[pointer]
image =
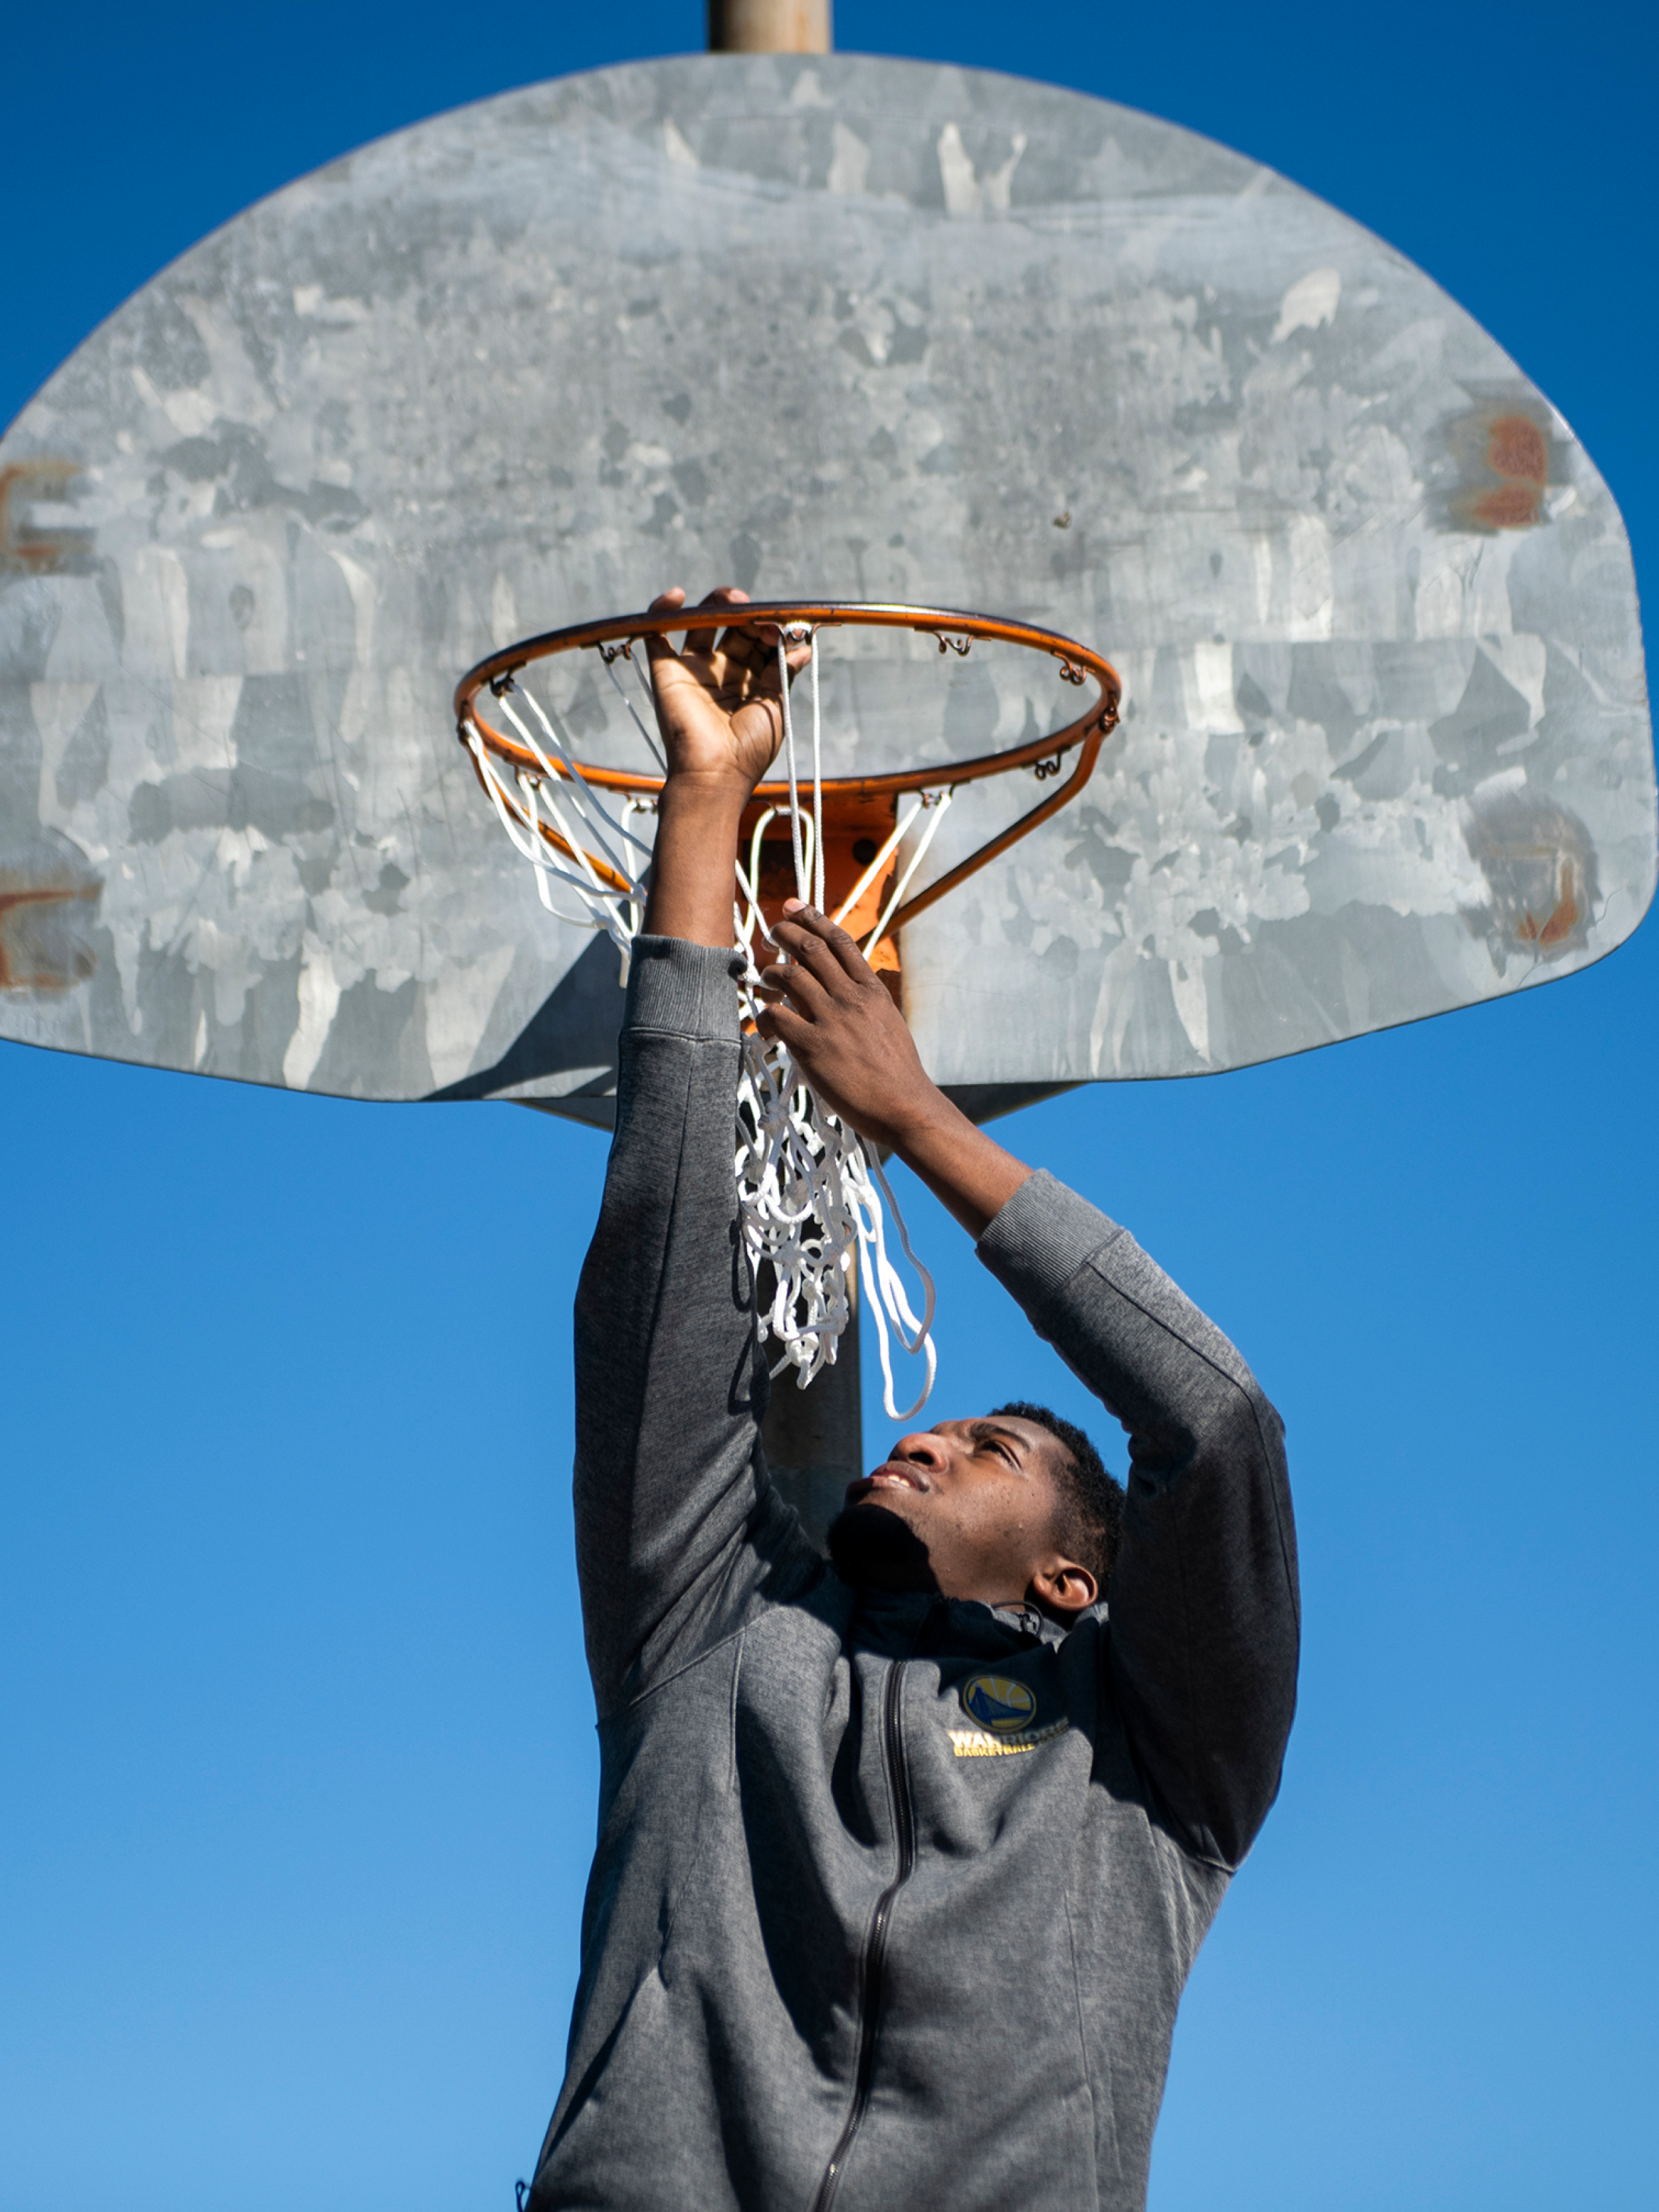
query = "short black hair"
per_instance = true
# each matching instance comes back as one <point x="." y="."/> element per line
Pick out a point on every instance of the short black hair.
<point x="1091" y="1500"/>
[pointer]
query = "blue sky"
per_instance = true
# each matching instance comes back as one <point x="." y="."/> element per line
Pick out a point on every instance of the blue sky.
<point x="295" y="1753"/>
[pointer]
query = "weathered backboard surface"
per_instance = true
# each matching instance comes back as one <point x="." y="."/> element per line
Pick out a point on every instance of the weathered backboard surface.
<point x="837" y="327"/>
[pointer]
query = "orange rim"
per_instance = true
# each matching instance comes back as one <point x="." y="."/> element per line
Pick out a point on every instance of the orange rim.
<point x="1078" y="665"/>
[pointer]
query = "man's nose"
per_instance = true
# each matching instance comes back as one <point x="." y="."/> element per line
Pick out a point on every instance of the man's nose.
<point x="923" y="1449"/>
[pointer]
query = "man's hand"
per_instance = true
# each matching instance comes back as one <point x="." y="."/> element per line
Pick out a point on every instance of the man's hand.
<point x="720" y="712"/>
<point x="849" y="1040"/>
<point x="719" y="702"/>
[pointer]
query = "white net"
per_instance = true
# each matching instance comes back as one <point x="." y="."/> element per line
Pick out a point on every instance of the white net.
<point x="813" y="1202"/>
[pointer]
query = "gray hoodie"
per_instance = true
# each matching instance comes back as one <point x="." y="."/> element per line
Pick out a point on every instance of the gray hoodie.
<point x="894" y="1897"/>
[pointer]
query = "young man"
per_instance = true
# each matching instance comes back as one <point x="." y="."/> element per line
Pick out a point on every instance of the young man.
<point x="902" y="1861"/>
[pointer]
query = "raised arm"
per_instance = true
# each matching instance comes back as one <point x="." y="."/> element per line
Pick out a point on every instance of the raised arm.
<point x="1203" y="1611"/>
<point x="1203" y="1604"/>
<point x="669" y="1381"/>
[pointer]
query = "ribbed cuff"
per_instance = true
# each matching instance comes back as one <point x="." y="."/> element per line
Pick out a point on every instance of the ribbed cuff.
<point x="1043" y="1236"/>
<point x="686" y="990"/>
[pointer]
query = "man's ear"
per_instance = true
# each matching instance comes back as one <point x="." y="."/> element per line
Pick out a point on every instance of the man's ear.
<point x="1059" y="1585"/>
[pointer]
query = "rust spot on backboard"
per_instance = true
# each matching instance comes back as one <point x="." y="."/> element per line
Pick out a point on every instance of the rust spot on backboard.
<point x="1562" y="918"/>
<point x="1516" y="447"/>
<point x="41" y="947"/>
<point x="1511" y="506"/>
<point x="1504" y="461"/>
<point x="1539" y="865"/>
<point x="37" y="552"/>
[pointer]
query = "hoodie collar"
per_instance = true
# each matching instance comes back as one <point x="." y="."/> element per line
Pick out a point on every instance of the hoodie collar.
<point x="909" y="1624"/>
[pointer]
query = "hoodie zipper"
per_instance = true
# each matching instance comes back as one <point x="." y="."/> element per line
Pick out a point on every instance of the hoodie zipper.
<point x="873" y="1964"/>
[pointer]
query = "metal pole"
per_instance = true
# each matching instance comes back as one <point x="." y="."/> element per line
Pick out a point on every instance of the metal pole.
<point x="769" y="27"/>
<point x="814" y="1439"/>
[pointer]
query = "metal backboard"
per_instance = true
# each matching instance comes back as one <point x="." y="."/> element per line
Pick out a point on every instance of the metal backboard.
<point x="837" y="327"/>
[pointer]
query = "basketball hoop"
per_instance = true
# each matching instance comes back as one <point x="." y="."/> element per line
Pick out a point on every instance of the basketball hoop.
<point x="808" y="1191"/>
<point x="854" y="807"/>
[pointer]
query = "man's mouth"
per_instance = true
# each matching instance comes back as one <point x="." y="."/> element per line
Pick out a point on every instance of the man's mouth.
<point x="891" y="1475"/>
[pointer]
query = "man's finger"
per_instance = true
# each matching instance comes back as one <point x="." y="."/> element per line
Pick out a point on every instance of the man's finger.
<point x="668" y="602"/>
<point x="725" y="595"/>
<point x="797" y="983"/>
<point x="658" y="648"/>
<point x="830" y="942"/>
<point x="794" y="659"/>
<point x="809" y="954"/>
<point x="713" y="642"/>
<point x="756" y="646"/>
<point x="782" y="1025"/>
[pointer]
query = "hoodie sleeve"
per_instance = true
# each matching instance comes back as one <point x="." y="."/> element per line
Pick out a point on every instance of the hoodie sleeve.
<point x="670" y="1383"/>
<point x="1204" y="1616"/>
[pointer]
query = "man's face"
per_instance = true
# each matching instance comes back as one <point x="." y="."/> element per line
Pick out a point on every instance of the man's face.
<point x="977" y="1501"/>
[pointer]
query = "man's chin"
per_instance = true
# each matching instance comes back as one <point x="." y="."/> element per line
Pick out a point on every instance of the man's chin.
<point x="872" y="1548"/>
